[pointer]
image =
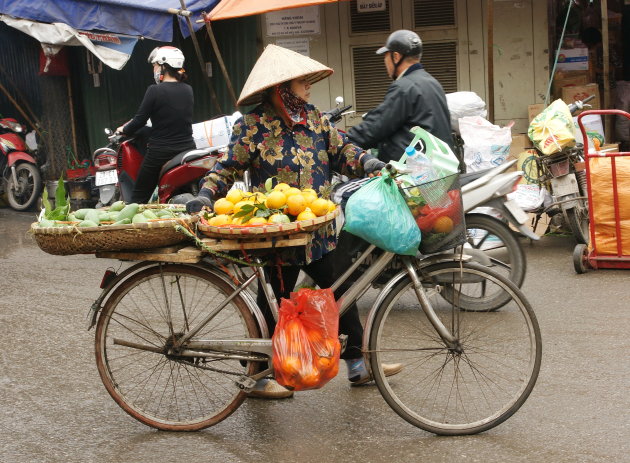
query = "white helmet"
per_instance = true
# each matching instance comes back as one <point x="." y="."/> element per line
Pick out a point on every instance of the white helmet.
<point x="167" y="55"/>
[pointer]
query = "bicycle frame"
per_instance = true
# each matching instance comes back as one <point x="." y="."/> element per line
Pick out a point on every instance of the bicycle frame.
<point x="250" y="349"/>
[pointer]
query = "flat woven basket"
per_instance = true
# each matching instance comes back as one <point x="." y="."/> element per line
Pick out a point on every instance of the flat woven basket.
<point x="243" y="232"/>
<point x="65" y="241"/>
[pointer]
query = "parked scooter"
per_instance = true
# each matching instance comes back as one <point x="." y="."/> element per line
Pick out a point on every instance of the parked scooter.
<point x="563" y="173"/>
<point x="21" y="178"/>
<point x="118" y="164"/>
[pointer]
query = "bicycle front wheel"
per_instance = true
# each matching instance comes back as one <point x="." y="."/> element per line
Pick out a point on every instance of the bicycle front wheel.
<point x="471" y="386"/>
<point x="141" y="322"/>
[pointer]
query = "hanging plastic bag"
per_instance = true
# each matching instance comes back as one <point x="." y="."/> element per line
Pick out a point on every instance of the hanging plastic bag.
<point x="305" y="342"/>
<point x="552" y="130"/>
<point x="464" y="104"/>
<point x="485" y="145"/>
<point x="379" y="214"/>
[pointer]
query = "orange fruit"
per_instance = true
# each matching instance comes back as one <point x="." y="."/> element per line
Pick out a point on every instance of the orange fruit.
<point x="306" y="214"/>
<point x="443" y="224"/>
<point x="309" y="190"/>
<point x="281" y="186"/>
<point x="325" y="363"/>
<point x="309" y="197"/>
<point x="257" y="221"/>
<point x="295" y="204"/>
<point x="310" y="377"/>
<point x="331" y="206"/>
<point x="223" y="206"/>
<point x="276" y="200"/>
<point x="291" y="365"/>
<point x="220" y="220"/>
<point x="257" y="197"/>
<point x="292" y="191"/>
<point x="235" y="195"/>
<point x="319" y="207"/>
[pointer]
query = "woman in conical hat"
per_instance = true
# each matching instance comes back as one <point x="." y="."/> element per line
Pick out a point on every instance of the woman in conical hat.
<point x="289" y="140"/>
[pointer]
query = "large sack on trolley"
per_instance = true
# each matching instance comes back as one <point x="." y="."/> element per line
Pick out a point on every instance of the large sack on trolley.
<point x="603" y="208"/>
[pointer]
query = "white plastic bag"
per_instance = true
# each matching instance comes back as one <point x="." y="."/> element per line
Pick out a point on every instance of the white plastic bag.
<point x="485" y="145"/>
<point x="215" y="132"/>
<point x="464" y="104"/>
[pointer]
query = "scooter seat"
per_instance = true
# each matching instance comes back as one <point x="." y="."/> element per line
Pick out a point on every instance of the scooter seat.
<point x="472" y="176"/>
<point x="185" y="156"/>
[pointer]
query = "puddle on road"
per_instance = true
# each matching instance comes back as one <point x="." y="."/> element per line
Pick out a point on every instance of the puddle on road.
<point x="14" y="231"/>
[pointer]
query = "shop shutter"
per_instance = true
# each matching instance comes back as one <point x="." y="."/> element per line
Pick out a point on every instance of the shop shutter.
<point x="433" y="13"/>
<point x="440" y="60"/>
<point x="371" y="79"/>
<point x="374" y="21"/>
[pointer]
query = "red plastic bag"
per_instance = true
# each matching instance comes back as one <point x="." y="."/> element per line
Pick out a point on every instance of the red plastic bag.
<point x="428" y="216"/>
<point x="305" y="342"/>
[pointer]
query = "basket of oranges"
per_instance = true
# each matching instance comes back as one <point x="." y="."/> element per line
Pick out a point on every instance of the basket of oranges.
<point x="438" y="211"/>
<point x="283" y="210"/>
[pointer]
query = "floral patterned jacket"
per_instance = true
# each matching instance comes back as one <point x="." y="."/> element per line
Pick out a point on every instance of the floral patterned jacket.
<point x="303" y="156"/>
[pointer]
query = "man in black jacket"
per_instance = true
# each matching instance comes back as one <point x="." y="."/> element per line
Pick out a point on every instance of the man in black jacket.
<point x="415" y="98"/>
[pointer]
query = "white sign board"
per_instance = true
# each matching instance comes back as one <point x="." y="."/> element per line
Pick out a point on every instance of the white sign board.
<point x="298" y="44"/>
<point x="297" y="21"/>
<point x="367" y="6"/>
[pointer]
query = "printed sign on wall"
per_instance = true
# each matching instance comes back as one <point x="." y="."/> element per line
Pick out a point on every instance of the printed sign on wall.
<point x="297" y="21"/>
<point x="367" y="6"/>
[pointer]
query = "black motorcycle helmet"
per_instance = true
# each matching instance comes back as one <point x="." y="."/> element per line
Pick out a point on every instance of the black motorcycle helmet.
<point x="405" y="42"/>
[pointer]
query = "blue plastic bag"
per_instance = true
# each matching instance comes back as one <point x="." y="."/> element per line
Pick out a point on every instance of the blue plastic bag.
<point x="378" y="214"/>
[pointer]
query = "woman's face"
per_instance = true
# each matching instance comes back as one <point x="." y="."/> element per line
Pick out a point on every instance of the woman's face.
<point x="301" y="87"/>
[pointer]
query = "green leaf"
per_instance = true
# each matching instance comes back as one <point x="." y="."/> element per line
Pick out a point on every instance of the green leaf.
<point x="247" y="209"/>
<point x="269" y="184"/>
<point x="60" y="193"/>
<point x="47" y="205"/>
<point x="263" y="213"/>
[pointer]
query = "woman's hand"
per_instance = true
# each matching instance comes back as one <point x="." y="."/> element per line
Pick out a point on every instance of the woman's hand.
<point x="120" y="129"/>
<point x="371" y="165"/>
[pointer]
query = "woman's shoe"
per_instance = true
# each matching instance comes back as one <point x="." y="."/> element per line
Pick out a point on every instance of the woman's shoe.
<point x="359" y="375"/>
<point x="269" y="389"/>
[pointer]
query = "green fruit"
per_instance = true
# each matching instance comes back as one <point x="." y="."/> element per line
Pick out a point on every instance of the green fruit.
<point x="122" y="222"/>
<point x="92" y="216"/>
<point x="165" y="213"/>
<point x="279" y="218"/>
<point x="72" y="218"/>
<point x="45" y="223"/>
<point x="139" y="218"/>
<point x="103" y="216"/>
<point x="128" y="212"/>
<point x="80" y="214"/>
<point x="113" y="216"/>
<point x="88" y="223"/>
<point x="149" y="214"/>
<point x="117" y="206"/>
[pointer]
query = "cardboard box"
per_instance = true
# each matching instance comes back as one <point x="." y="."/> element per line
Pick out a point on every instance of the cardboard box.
<point x="573" y="59"/>
<point x="581" y="92"/>
<point x="534" y="110"/>
<point x="567" y="79"/>
<point x="520" y="142"/>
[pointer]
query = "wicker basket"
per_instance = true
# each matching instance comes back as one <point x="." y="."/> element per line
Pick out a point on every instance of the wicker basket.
<point x="65" y="241"/>
<point x="243" y="232"/>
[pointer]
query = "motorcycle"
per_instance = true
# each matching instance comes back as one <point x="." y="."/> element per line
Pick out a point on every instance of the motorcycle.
<point x="21" y="178"/>
<point x="118" y="164"/>
<point x="489" y="239"/>
<point x="563" y="172"/>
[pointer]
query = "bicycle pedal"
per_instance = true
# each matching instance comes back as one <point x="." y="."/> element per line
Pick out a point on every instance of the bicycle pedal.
<point x="245" y="383"/>
<point x="343" y="340"/>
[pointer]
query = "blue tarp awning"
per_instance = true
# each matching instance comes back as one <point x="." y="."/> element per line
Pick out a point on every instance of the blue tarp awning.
<point x="147" y="18"/>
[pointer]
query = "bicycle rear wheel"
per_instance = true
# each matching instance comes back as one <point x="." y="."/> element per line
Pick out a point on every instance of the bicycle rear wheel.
<point x="154" y="308"/>
<point x="471" y="387"/>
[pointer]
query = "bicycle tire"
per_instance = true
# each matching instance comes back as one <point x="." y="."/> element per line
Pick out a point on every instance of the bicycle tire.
<point x="505" y="254"/>
<point x="162" y="390"/>
<point x="442" y="390"/>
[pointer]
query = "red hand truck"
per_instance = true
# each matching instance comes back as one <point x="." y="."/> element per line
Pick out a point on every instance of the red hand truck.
<point x="590" y="257"/>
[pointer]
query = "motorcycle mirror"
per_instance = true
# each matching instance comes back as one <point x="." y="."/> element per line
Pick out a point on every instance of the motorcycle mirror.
<point x="339" y="100"/>
<point x="108" y="132"/>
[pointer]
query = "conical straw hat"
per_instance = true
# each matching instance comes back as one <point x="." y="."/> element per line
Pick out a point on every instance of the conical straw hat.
<point x="277" y="65"/>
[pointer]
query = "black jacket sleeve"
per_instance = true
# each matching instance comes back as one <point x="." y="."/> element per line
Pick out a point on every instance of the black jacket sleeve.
<point x="144" y="111"/>
<point x="383" y="121"/>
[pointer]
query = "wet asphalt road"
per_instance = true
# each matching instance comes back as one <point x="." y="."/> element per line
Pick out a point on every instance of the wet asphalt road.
<point x="54" y="408"/>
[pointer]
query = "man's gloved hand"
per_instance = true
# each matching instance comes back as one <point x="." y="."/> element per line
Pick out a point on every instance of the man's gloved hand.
<point x="371" y="164"/>
<point x="203" y="199"/>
